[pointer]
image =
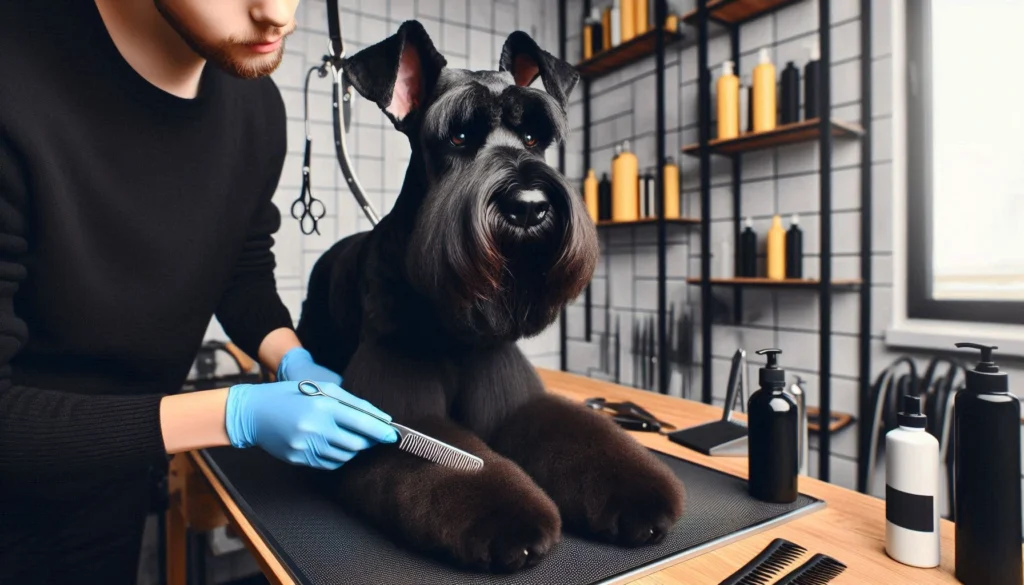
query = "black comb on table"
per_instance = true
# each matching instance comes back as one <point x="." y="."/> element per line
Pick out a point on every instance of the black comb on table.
<point x="821" y="569"/>
<point x="770" y="562"/>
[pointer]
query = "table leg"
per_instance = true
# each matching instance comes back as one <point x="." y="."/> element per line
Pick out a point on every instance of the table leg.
<point x="177" y="549"/>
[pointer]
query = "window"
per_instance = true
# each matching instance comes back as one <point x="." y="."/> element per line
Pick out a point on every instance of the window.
<point x="965" y="123"/>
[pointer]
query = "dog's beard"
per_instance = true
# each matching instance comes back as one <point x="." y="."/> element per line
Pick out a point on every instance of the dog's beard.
<point x="488" y="278"/>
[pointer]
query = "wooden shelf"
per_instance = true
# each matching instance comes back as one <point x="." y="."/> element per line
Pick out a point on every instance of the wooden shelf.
<point x="610" y="223"/>
<point x="624" y="54"/>
<point x="803" y="131"/>
<point x="765" y="282"/>
<point x="733" y="12"/>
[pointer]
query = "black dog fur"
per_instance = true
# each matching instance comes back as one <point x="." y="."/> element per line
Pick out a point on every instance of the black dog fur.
<point x="421" y="316"/>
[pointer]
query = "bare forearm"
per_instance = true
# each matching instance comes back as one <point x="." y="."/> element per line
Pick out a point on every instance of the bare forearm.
<point x="277" y="343"/>
<point x="194" y="420"/>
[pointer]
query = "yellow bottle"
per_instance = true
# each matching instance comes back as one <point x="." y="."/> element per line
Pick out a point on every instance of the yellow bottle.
<point x="672" y="23"/>
<point x="606" y="29"/>
<point x="728" y="103"/>
<point x="627" y="12"/>
<point x="641" y="17"/>
<point x="625" y="183"/>
<point x="588" y="41"/>
<point x="671" y="195"/>
<point x="776" y="250"/>
<point x="764" y="94"/>
<point x="590" y="194"/>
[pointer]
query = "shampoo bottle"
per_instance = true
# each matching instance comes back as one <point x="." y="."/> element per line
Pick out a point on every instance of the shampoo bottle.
<point x="590" y="194"/>
<point x="812" y="71"/>
<point x="764" y="93"/>
<point x="604" y="198"/>
<point x="748" y="250"/>
<point x="745" y="111"/>
<point x="671" y="195"/>
<point x="627" y="12"/>
<point x="597" y="32"/>
<point x="625" y="183"/>
<point x="790" y="94"/>
<point x="912" y="489"/>
<point x="588" y="39"/>
<point x="728" y="90"/>
<point x="616" y="22"/>
<point x="986" y="455"/>
<point x="776" y="250"/>
<point x="795" y="250"/>
<point x="773" y="454"/>
<point x="641" y="21"/>
<point x="606" y="28"/>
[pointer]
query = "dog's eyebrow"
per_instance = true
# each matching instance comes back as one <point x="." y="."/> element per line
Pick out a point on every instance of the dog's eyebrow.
<point x="456" y="104"/>
<point x="533" y="102"/>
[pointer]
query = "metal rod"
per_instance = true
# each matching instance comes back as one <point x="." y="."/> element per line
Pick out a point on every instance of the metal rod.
<point x="825" y="306"/>
<point x="704" y="115"/>
<point x="866" y="243"/>
<point x="660" y="14"/>
<point x="562" y="325"/>
<point x="588" y="305"/>
<point x="737" y="184"/>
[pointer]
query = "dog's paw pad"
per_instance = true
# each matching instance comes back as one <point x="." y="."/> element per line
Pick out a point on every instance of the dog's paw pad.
<point x="635" y="516"/>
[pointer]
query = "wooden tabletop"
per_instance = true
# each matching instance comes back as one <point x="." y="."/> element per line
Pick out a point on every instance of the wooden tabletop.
<point x="851" y="528"/>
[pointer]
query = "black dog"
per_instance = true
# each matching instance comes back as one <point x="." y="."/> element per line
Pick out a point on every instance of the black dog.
<point x="484" y="246"/>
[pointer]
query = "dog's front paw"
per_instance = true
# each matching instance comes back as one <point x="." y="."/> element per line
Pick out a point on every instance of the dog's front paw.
<point x="510" y="539"/>
<point x="636" y="508"/>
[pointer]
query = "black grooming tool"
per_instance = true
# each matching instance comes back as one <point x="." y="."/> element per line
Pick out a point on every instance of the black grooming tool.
<point x="617" y="349"/>
<point x="635" y="350"/>
<point x="650" y="353"/>
<point x="629" y="415"/>
<point x="821" y="569"/>
<point x="770" y="562"/>
<point x="723" y="437"/>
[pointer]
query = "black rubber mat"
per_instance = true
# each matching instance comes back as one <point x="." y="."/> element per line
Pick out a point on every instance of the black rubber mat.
<point x="321" y="545"/>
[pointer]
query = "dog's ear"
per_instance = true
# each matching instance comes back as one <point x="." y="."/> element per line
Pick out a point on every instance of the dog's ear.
<point x="397" y="73"/>
<point x="525" y="61"/>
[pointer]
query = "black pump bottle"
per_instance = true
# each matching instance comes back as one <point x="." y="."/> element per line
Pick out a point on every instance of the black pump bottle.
<point x="987" y="465"/>
<point x="772" y="442"/>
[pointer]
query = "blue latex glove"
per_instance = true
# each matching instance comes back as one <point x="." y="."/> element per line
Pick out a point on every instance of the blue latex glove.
<point x="317" y="431"/>
<point x="298" y="365"/>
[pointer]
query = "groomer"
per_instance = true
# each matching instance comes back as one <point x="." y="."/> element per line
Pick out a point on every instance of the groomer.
<point x="141" y="142"/>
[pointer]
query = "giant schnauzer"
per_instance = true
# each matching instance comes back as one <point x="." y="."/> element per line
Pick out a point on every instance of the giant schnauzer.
<point x="484" y="246"/>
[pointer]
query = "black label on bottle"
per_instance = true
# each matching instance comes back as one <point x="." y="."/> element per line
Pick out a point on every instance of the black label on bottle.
<point x="909" y="511"/>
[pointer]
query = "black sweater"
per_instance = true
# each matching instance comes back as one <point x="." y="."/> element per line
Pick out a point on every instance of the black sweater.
<point x="128" y="217"/>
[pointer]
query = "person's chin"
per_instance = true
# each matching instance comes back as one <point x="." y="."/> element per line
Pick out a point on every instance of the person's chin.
<point x="252" y="66"/>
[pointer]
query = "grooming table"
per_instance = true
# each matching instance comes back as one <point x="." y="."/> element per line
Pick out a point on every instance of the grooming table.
<point x="851" y="528"/>
<point x="322" y="545"/>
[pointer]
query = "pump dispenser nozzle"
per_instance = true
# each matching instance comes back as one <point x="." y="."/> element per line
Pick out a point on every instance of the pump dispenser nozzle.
<point x="771" y="374"/>
<point x="985" y="377"/>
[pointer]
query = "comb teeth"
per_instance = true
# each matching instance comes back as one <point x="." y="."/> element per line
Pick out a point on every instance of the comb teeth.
<point x="821" y="569"/>
<point x="433" y="450"/>
<point x="768" y="563"/>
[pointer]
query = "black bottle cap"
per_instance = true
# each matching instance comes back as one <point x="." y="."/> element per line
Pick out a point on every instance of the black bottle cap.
<point x="986" y="377"/>
<point x="771" y="375"/>
<point x="911" y="415"/>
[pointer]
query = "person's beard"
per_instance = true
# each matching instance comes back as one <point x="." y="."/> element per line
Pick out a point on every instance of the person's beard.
<point x="220" y="54"/>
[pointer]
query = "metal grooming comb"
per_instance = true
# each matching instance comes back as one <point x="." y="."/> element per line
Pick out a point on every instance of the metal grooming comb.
<point x="766" y="565"/>
<point x="411" y="441"/>
<point x="821" y="569"/>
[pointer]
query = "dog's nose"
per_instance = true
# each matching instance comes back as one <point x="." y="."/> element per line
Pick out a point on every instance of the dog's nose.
<point x="525" y="208"/>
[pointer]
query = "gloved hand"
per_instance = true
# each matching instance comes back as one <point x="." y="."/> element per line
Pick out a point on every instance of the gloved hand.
<point x="317" y="431"/>
<point x="298" y="365"/>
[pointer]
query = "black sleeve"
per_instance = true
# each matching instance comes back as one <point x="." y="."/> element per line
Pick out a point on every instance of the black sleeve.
<point x="250" y="307"/>
<point x="46" y="433"/>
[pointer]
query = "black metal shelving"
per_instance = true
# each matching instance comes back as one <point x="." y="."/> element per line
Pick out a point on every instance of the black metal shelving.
<point x="650" y="44"/>
<point x="730" y="14"/>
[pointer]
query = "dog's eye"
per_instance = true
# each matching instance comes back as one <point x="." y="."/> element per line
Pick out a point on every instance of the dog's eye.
<point x="529" y="140"/>
<point x="458" y="139"/>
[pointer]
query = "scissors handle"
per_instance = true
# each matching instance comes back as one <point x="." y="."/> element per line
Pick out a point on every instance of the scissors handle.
<point x="310" y="388"/>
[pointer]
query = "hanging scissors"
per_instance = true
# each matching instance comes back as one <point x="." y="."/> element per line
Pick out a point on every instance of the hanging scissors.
<point x="306" y="208"/>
